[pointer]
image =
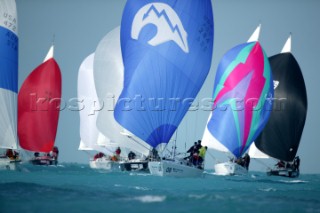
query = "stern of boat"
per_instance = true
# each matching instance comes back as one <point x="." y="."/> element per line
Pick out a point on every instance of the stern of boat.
<point x="134" y="165"/>
<point x="8" y="164"/>
<point x="174" y="168"/>
<point x="229" y="168"/>
<point x="155" y="168"/>
<point x="284" y="172"/>
<point x="103" y="163"/>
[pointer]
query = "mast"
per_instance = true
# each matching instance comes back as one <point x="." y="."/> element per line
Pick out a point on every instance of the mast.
<point x="175" y="144"/>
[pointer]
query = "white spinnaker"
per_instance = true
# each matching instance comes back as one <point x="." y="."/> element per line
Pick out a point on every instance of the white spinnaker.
<point x="105" y="142"/>
<point x="210" y="141"/>
<point x="109" y="77"/>
<point x="8" y="97"/>
<point x="84" y="147"/>
<point x="254" y="152"/>
<point x="88" y="109"/>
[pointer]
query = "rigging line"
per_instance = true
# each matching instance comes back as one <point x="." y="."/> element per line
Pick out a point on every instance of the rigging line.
<point x="262" y="163"/>
<point x="53" y="38"/>
<point x="187" y="119"/>
<point x="85" y="151"/>
<point x="176" y="134"/>
<point x="133" y="139"/>
<point x="215" y="159"/>
<point x="175" y="143"/>
<point x="196" y="123"/>
<point x="165" y="147"/>
<point x="130" y="137"/>
<point x="108" y="149"/>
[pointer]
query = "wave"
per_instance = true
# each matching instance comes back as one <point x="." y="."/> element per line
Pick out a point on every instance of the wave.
<point x="268" y="190"/>
<point x="141" y="188"/>
<point x="197" y="196"/>
<point x="293" y="181"/>
<point x="209" y="173"/>
<point x="150" y="198"/>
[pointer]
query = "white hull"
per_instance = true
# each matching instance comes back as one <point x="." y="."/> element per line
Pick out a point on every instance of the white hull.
<point x="7" y="164"/>
<point x="174" y="169"/>
<point x="134" y="165"/>
<point x="104" y="164"/>
<point x="229" y="168"/>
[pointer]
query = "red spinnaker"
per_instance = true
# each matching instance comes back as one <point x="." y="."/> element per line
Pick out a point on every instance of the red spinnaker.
<point x="39" y="106"/>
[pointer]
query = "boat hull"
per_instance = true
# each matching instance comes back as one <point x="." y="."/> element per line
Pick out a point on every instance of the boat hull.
<point x="229" y="168"/>
<point x="8" y="164"/>
<point x="292" y="173"/>
<point x="173" y="169"/>
<point x="47" y="162"/>
<point x="134" y="165"/>
<point x="104" y="164"/>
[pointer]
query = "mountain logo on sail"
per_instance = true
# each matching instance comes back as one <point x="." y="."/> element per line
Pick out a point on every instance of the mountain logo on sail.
<point x="168" y="23"/>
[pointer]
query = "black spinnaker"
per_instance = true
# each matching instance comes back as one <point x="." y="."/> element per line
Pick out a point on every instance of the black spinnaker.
<point x="281" y="137"/>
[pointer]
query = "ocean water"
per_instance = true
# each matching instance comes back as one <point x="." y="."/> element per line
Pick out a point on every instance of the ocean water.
<point x="77" y="188"/>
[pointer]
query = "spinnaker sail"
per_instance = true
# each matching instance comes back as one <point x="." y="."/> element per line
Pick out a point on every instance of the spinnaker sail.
<point x="167" y="51"/>
<point x="108" y="80"/>
<point x="91" y="138"/>
<point x="39" y="101"/>
<point x="281" y="137"/>
<point x="254" y="152"/>
<point x="243" y="92"/>
<point x="9" y="74"/>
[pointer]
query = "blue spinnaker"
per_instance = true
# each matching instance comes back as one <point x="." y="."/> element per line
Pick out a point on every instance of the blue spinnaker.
<point x="242" y="97"/>
<point x="167" y="51"/>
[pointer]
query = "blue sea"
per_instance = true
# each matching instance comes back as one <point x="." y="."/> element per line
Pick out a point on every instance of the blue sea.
<point x="77" y="188"/>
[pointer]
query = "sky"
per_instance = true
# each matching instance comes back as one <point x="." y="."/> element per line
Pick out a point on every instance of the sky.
<point x="77" y="26"/>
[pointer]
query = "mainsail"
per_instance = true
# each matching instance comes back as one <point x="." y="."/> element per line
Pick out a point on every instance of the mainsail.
<point x="167" y="55"/>
<point x="281" y="137"/>
<point x="39" y="106"/>
<point x="9" y="74"/>
<point x="242" y="97"/>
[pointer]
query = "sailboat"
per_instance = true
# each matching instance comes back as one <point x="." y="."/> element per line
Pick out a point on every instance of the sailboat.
<point x="281" y="137"/>
<point x="91" y="138"/>
<point x="242" y="101"/>
<point x="108" y="80"/>
<point x="39" y="101"/>
<point x="167" y="55"/>
<point x="8" y="83"/>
